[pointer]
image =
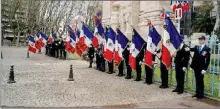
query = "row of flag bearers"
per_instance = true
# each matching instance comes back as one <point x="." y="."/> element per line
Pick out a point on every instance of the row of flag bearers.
<point x="114" y="47"/>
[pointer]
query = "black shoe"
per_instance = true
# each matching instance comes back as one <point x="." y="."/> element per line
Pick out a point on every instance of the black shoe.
<point x="149" y="83"/>
<point x="164" y="87"/>
<point x="110" y="73"/>
<point x="200" y="97"/>
<point x="161" y="86"/>
<point x="195" y="96"/>
<point x="137" y="80"/>
<point x="175" y="90"/>
<point x="120" y="75"/>
<point x="180" y="92"/>
<point x="127" y="77"/>
<point x="90" y="66"/>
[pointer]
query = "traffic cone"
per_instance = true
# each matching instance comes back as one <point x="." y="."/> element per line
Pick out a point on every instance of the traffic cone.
<point x="11" y="76"/>
<point x="71" y="73"/>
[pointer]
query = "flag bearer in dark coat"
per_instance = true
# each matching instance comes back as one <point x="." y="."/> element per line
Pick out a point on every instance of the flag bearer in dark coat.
<point x="181" y="62"/>
<point x="149" y="72"/>
<point x="139" y="62"/>
<point x="110" y="67"/>
<point x="125" y="54"/>
<point x="200" y="63"/>
<point x="98" y="58"/>
<point x="121" y="69"/>
<point x="163" y="73"/>
<point x="91" y="53"/>
<point x="102" y="59"/>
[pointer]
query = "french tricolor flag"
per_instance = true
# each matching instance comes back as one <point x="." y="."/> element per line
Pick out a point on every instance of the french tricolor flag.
<point x="43" y="38"/>
<point x="71" y="44"/>
<point x="120" y="44"/>
<point x="104" y="41"/>
<point x="85" y="40"/>
<point x="31" y="44"/>
<point x="152" y="41"/>
<point x="38" y="44"/>
<point x="136" y="46"/>
<point x="110" y="45"/>
<point x="171" y="42"/>
<point x="99" y="30"/>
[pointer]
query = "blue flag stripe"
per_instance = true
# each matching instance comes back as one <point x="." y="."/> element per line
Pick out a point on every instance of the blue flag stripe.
<point x="122" y="39"/>
<point x="175" y="37"/>
<point x="137" y="40"/>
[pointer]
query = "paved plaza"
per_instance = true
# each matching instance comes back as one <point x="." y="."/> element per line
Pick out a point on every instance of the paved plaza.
<point x="41" y="81"/>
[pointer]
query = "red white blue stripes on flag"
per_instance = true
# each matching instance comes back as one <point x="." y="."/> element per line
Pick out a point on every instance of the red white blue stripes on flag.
<point x="42" y="38"/>
<point x="171" y="42"/>
<point x="136" y="46"/>
<point x="70" y="45"/>
<point x="38" y="43"/>
<point x="31" y="44"/>
<point x="110" y="45"/>
<point x="152" y="42"/>
<point x="120" y="44"/>
<point x="85" y="40"/>
<point x="99" y="30"/>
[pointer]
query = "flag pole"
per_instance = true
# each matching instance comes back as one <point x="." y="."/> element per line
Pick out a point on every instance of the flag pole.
<point x="28" y="49"/>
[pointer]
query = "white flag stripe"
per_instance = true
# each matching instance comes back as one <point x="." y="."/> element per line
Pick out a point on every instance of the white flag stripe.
<point x="167" y="43"/>
<point x="110" y="45"/>
<point x="151" y="47"/>
<point x="134" y="51"/>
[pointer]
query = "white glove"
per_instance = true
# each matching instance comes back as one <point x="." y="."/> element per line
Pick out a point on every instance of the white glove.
<point x="155" y="52"/>
<point x="92" y="55"/>
<point x="187" y="49"/>
<point x="128" y="48"/>
<point x="184" y="69"/>
<point x="140" y="62"/>
<point x="203" y="72"/>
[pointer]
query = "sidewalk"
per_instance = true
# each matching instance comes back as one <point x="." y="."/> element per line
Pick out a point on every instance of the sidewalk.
<point x="41" y="81"/>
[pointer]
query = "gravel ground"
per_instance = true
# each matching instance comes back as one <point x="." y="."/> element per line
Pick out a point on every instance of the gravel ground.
<point x="41" y="81"/>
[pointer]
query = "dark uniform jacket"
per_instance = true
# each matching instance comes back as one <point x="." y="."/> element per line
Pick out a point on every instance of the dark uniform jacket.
<point x="200" y="59"/>
<point x="91" y="52"/>
<point x="182" y="57"/>
<point x="125" y="54"/>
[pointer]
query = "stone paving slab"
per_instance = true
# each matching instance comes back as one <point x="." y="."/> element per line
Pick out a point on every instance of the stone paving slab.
<point x="41" y="81"/>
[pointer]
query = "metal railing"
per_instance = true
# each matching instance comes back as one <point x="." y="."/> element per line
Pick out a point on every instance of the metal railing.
<point x="211" y="78"/>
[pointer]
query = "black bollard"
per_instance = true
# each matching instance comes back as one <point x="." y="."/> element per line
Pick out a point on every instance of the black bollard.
<point x="1" y="55"/>
<point x="11" y="76"/>
<point x="71" y="73"/>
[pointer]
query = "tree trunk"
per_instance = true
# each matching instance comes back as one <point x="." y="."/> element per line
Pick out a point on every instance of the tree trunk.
<point x="18" y="39"/>
<point x="217" y="16"/>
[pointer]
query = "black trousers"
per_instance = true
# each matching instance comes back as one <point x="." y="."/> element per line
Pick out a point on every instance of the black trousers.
<point x="46" y="50"/>
<point x="102" y="64"/>
<point x="149" y="74"/>
<point x="164" y="74"/>
<point x="180" y="75"/>
<point x="56" y="53"/>
<point x="138" y="70"/>
<point x="110" y="67"/>
<point x="90" y="62"/>
<point x="199" y="82"/>
<point x="128" y="68"/>
<point x="98" y="62"/>
<point x="62" y="53"/>
<point x="121" y="68"/>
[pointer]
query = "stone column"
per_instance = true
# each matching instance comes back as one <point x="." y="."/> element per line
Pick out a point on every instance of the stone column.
<point x="114" y="16"/>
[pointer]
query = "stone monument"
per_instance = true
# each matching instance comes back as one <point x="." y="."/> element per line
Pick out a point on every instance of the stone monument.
<point x="126" y="15"/>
